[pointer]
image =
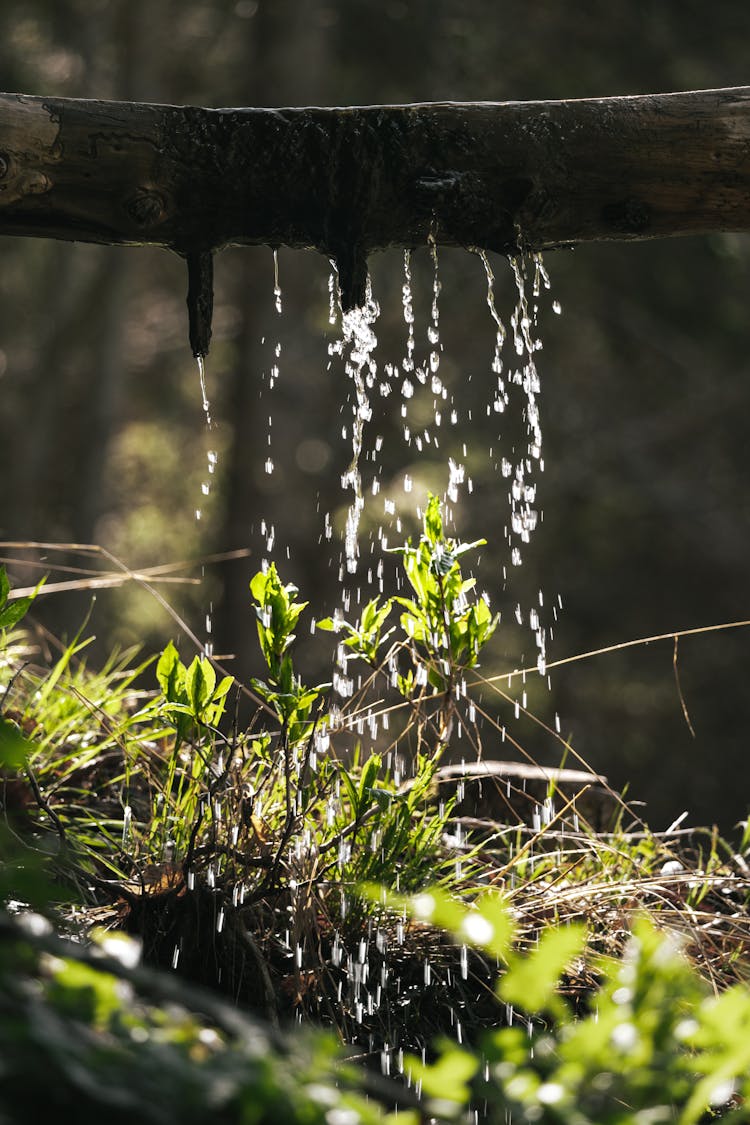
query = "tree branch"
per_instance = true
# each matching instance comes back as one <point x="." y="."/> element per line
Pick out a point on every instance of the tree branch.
<point x="505" y="177"/>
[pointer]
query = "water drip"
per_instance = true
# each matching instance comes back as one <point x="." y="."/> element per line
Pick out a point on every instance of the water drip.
<point x="501" y="332"/>
<point x="357" y="345"/>
<point x="204" y="394"/>
<point x="406" y="291"/>
<point x="276" y="286"/>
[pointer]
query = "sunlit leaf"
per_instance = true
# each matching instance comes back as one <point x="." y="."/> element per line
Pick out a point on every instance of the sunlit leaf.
<point x="532" y="980"/>
<point x="200" y="681"/>
<point x="448" y="1078"/>
<point x="13" y="612"/>
<point x="170" y="673"/>
<point x="15" y="748"/>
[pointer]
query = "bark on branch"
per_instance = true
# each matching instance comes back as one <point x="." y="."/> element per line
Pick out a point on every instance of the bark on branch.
<point x="504" y="177"/>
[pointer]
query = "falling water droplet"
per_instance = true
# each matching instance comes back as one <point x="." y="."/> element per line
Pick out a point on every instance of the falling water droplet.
<point x="276" y="286"/>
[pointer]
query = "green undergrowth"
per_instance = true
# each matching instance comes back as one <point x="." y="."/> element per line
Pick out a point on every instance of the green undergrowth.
<point x="309" y="863"/>
<point x="86" y="1035"/>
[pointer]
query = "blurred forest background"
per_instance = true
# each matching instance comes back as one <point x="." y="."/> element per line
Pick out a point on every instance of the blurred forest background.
<point x="645" y="376"/>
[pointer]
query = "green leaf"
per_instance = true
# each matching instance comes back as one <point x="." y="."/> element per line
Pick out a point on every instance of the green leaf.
<point x="85" y="992"/>
<point x="200" y="681"/>
<point x="262" y="689"/>
<point x="532" y="979"/>
<point x="224" y="685"/>
<point x="258" y="585"/>
<point x="218" y="699"/>
<point x="351" y="792"/>
<point x="13" y="612"/>
<point x="15" y="748"/>
<point x="370" y="772"/>
<point x="305" y="699"/>
<point x="488" y="924"/>
<point x="170" y="673"/>
<point x="462" y="548"/>
<point x="405" y="684"/>
<point x="180" y="709"/>
<point x="447" y="1079"/>
<point x="433" y="520"/>
<point x="436" y="680"/>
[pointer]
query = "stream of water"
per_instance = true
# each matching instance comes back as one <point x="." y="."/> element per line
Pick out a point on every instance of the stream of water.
<point x="435" y="425"/>
<point x="212" y="461"/>
<point x="415" y="386"/>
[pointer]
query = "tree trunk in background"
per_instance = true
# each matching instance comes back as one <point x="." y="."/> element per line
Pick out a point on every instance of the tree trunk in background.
<point x="104" y="405"/>
<point x="67" y="287"/>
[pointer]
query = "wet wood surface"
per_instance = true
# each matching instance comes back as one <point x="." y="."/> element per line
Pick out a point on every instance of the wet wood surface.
<point x="501" y="176"/>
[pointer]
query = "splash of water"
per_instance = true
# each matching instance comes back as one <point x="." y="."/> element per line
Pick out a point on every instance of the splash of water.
<point x="501" y="398"/>
<point x="275" y="370"/>
<point x="357" y="346"/>
<point x="212" y="461"/>
<point x="433" y="330"/>
<point x="204" y="392"/>
<point x="408" y="306"/>
<point x="212" y="456"/>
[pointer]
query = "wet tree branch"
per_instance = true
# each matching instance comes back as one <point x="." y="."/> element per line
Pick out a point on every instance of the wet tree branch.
<point x="504" y="177"/>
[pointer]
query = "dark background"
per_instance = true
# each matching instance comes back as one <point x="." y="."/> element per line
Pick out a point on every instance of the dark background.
<point x="645" y="376"/>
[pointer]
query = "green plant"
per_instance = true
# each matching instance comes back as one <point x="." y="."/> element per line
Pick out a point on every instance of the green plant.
<point x="284" y="820"/>
<point x="114" y="1040"/>
<point x="656" y="1044"/>
<point x="239" y="855"/>
<point x="448" y="631"/>
<point x="11" y="612"/>
<point x="13" y="746"/>
<point x="443" y="632"/>
<point x="277" y="615"/>
<point x="193" y="700"/>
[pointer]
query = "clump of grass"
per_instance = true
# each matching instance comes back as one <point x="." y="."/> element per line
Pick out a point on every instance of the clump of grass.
<point x="238" y="856"/>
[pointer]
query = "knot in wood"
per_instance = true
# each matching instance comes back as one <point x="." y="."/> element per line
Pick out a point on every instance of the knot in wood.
<point x="146" y="207"/>
<point x="4" y="165"/>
